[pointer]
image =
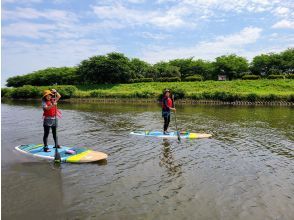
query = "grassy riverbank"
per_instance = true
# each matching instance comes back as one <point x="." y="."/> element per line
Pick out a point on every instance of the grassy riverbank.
<point x="237" y="90"/>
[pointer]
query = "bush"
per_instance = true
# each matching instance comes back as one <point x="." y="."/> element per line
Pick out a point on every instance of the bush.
<point x="144" y="94"/>
<point x="290" y="76"/>
<point x="252" y="97"/>
<point x="6" y="92"/>
<point x="193" y="78"/>
<point x="276" y="77"/>
<point x="96" y="93"/>
<point x="141" y="80"/>
<point x="26" y="92"/>
<point x="66" y="91"/>
<point x="290" y="98"/>
<point x="225" y="96"/>
<point x="250" y="77"/>
<point x="196" y="96"/>
<point x="271" y="97"/>
<point x="169" y="79"/>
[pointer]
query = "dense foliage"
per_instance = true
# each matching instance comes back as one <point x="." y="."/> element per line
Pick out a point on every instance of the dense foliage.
<point x="117" y="68"/>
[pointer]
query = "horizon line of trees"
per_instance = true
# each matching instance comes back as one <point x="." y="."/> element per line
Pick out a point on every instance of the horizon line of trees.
<point x="117" y="68"/>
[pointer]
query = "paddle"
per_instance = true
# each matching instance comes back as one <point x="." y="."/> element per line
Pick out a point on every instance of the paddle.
<point x="178" y="133"/>
<point x="57" y="158"/>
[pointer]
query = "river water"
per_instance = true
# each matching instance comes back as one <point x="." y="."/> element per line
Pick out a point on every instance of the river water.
<point x="245" y="171"/>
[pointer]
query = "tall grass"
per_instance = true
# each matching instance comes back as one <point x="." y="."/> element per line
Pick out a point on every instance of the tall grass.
<point x="249" y="90"/>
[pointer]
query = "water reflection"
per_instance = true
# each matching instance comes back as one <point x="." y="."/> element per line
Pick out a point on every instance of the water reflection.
<point x="167" y="159"/>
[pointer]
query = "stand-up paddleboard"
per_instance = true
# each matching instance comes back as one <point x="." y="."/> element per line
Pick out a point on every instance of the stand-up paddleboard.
<point x="67" y="154"/>
<point x="173" y="134"/>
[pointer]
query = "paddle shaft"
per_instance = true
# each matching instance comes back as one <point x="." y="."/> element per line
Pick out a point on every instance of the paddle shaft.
<point x="178" y="133"/>
<point x="57" y="158"/>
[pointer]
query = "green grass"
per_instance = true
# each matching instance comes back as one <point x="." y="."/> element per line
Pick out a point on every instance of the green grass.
<point x="249" y="90"/>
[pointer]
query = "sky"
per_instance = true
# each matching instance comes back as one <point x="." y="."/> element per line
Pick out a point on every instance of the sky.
<point x="37" y="34"/>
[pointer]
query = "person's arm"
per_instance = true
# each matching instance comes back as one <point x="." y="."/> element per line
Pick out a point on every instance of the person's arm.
<point x="171" y="107"/>
<point x="58" y="96"/>
<point x="48" y="107"/>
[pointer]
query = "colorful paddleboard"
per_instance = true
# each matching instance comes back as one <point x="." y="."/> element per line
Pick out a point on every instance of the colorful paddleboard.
<point x="173" y="134"/>
<point x="67" y="154"/>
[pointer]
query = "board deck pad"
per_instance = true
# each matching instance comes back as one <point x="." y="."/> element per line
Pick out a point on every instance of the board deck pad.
<point x="173" y="134"/>
<point x="81" y="155"/>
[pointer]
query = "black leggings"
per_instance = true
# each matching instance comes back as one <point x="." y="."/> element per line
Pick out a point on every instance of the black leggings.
<point x="46" y="134"/>
<point x="166" y="122"/>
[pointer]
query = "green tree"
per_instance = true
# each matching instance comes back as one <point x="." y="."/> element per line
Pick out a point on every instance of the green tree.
<point x="266" y="64"/>
<point x="140" y="68"/>
<point x="232" y="66"/>
<point x="287" y="60"/>
<point x="166" y="70"/>
<point x="112" y="68"/>
<point x="48" y="76"/>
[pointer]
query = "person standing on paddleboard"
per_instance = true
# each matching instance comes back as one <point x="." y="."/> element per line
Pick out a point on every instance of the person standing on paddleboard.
<point x="49" y="105"/>
<point x="167" y="105"/>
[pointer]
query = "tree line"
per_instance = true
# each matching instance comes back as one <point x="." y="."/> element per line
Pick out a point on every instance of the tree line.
<point x="117" y="68"/>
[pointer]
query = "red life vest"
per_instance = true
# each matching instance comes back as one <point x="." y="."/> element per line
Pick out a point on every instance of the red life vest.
<point x="166" y="103"/>
<point x="52" y="112"/>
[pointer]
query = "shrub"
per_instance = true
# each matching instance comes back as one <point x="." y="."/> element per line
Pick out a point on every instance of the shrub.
<point x="196" y="96"/>
<point x="144" y="94"/>
<point x="290" y="98"/>
<point x="250" y="77"/>
<point x="290" y="76"/>
<point x="6" y="92"/>
<point x="252" y="97"/>
<point x="26" y="92"/>
<point x="141" y="80"/>
<point x="271" y="97"/>
<point x="96" y="93"/>
<point x="169" y="79"/>
<point x="66" y="91"/>
<point x="276" y="77"/>
<point x="193" y="78"/>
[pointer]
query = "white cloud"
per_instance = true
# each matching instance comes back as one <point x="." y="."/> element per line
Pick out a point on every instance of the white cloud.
<point x="169" y="18"/>
<point x="284" y="24"/>
<point x="59" y="16"/>
<point x="154" y="36"/>
<point x="30" y="30"/>
<point x="207" y="49"/>
<point x="281" y="11"/>
<point x="21" y="1"/>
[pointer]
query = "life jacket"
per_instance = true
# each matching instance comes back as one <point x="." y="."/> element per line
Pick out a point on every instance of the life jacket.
<point x="52" y="112"/>
<point x="166" y="103"/>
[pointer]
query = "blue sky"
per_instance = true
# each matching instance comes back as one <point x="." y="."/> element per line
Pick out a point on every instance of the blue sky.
<point x="37" y="33"/>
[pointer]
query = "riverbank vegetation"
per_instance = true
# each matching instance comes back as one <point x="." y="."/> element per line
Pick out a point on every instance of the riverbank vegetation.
<point x="116" y="68"/>
<point x="235" y="90"/>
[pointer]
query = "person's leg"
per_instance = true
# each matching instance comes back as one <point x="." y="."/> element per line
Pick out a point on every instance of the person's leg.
<point x="55" y="136"/>
<point x="165" y="125"/>
<point x="167" y="122"/>
<point x="45" y="137"/>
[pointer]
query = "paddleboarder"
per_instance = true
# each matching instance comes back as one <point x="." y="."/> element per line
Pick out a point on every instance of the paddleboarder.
<point x="49" y="105"/>
<point x="167" y="106"/>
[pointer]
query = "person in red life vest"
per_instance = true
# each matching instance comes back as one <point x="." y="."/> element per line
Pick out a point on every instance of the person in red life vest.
<point x="167" y="105"/>
<point x="49" y="105"/>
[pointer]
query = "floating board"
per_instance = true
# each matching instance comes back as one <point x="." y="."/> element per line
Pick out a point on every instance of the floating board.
<point x="67" y="154"/>
<point x="173" y="134"/>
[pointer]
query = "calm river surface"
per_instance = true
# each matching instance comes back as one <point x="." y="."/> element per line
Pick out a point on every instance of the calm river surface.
<point x="245" y="171"/>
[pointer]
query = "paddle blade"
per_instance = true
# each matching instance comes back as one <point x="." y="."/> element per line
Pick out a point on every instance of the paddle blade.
<point x="179" y="136"/>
